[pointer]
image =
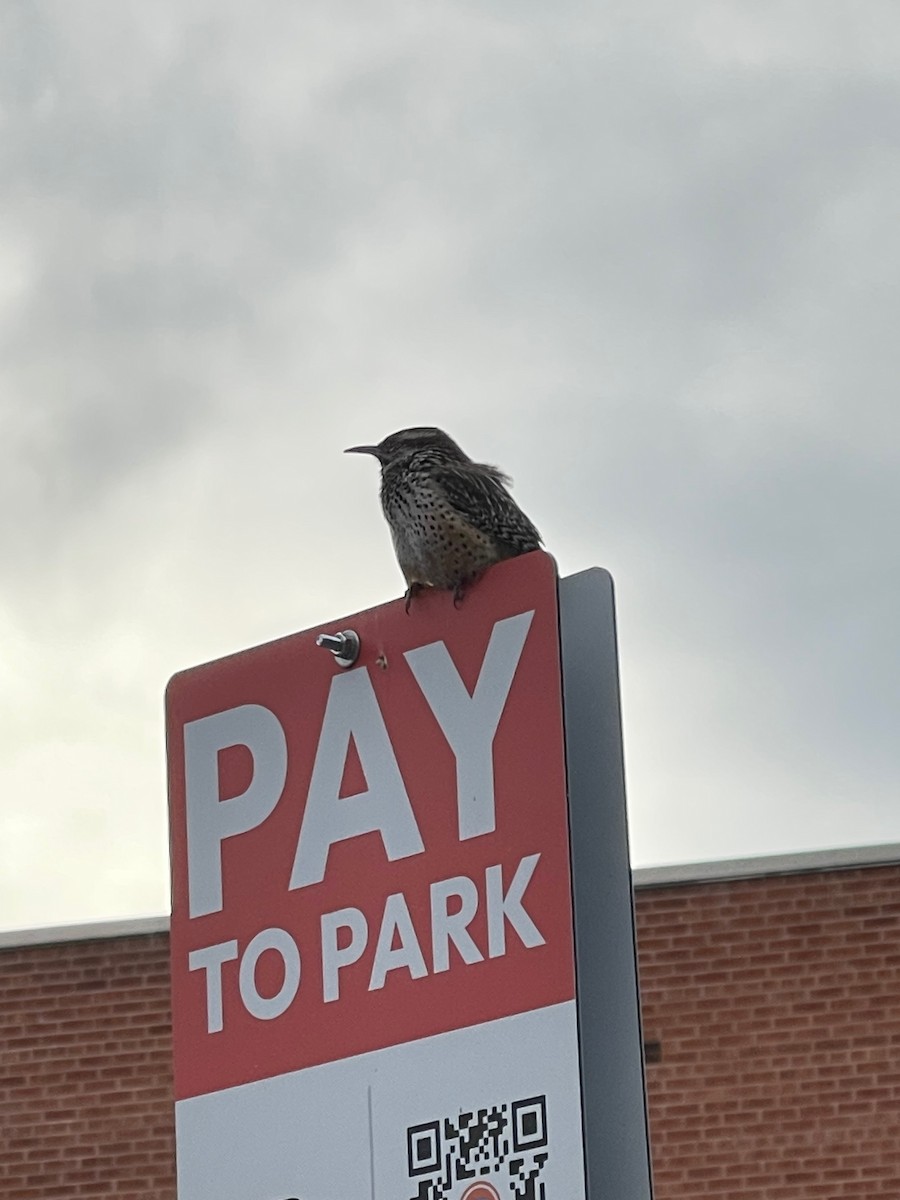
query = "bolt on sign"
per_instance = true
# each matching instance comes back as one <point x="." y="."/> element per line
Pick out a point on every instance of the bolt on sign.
<point x="381" y="987"/>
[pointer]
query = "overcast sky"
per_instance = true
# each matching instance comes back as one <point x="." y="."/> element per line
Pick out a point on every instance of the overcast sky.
<point x="643" y="256"/>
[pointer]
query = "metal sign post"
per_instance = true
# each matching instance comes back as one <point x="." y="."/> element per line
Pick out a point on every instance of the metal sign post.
<point x="373" y="935"/>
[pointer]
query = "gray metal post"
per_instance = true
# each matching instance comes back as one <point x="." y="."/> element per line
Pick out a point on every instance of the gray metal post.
<point x="613" y="1096"/>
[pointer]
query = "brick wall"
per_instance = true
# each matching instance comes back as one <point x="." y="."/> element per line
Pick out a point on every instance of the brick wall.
<point x="85" y="1079"/>
<point x="775" y="1003"/>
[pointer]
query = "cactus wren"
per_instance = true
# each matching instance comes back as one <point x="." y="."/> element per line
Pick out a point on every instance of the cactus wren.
<point x="450" y="518"/>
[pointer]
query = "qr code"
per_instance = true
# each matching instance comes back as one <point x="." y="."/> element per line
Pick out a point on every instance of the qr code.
<point x="491" y="1153"/>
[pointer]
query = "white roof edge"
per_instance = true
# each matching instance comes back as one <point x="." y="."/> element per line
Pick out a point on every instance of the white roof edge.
<point x="644" y="877"/>
<point x="48" y="935"/>
<point x="842" y="859"/>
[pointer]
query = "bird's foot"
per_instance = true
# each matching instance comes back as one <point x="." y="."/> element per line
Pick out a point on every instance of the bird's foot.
<point x="463" y="586"/>
<point x="413" y="590"/>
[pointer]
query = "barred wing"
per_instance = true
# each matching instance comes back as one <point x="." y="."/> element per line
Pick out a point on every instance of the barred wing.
<point x="477" y="493"/>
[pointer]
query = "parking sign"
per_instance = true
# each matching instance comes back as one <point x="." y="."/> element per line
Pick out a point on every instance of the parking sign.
<point x="373" y="944"/>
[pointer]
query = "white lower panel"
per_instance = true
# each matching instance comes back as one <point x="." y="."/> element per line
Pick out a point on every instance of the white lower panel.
<point x="339" y="1131"/>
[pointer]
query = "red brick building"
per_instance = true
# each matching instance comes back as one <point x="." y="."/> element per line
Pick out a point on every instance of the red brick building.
<point x="771" y="1006"/>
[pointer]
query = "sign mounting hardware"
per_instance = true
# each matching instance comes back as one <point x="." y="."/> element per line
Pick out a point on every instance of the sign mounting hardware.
<point x="344" y="646"/>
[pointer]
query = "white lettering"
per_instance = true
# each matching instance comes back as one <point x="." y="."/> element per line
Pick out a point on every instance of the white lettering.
<point x="210" y="820"/>
<point x="210" y="959"/>
<point x="502" y="908"/>
<point x="469" y="723"/>
<point x="266" y="1008"/>
<point x="396" y="920"/>
<point x="352" y="711"/>
<point x="447" y="927"/>
<point x="334" y="958"/>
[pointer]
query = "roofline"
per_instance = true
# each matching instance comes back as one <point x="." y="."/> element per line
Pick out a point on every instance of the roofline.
<point x="759" y="866"/>
<point x="90" y="931"/>
<point x="675" y="875"/>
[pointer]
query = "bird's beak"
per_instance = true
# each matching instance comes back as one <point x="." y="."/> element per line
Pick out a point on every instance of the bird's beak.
<point x="362" y="450"/>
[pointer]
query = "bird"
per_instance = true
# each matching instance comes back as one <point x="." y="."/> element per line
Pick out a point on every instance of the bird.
<point x="450" y="518"/>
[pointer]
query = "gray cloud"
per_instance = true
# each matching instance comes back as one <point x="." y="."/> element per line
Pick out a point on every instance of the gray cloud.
<point x="644" y="260"/>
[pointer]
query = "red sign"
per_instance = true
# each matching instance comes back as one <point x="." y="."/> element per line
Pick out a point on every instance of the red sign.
<point x="369" y="856"/>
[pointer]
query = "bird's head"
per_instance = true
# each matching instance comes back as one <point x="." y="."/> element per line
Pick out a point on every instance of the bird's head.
<point x="405" y="443"/>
